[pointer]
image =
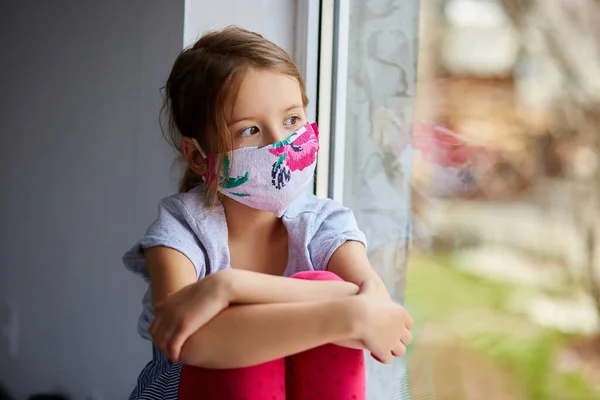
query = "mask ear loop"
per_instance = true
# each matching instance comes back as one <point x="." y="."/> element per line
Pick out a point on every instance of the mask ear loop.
<point x="202" y="153"/>
<point x="210" y="165"/>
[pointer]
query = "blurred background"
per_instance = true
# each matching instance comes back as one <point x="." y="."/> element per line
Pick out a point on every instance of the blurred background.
<point x="462" y="133"/>
<point x="504" y="267"/>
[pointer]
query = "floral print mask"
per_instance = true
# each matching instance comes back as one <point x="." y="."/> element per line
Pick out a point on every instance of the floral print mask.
<point x="270" y="177"/>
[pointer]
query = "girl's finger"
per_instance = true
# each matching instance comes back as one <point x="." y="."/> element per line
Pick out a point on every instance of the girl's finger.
<point x="399" y="350"/>
<point x="406" y="339"/>
<point x="382" y="357"/>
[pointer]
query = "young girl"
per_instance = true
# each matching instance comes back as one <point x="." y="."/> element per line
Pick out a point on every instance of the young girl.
<point x="225" y="319"/>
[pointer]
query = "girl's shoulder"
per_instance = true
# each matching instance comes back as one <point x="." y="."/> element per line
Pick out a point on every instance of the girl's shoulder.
<point x="183" y="223"/>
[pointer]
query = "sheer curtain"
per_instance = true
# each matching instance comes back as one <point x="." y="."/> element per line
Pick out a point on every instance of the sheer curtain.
<point x="381" y="76"/>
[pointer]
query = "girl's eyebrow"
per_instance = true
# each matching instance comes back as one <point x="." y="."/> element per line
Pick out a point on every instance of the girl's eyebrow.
<point x="294" y="106"/>
<point x="250" y="118"/>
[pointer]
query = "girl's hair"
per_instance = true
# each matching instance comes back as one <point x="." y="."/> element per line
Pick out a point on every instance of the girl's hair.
<point x="203" y="78"/>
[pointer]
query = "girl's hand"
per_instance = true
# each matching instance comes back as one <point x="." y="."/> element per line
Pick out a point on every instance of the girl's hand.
<point x="384" y="326"/>
<point x="182" y="313"/>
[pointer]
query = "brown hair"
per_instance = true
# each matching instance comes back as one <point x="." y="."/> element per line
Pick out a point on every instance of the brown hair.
<point x="203" y="79"/>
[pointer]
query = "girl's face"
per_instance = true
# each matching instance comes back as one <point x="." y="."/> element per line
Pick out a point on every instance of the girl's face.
<point x="268" y="108"/>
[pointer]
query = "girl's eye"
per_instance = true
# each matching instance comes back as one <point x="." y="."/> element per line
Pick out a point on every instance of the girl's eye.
<point x="249" y="131"/>
<point x="292" y="121"/>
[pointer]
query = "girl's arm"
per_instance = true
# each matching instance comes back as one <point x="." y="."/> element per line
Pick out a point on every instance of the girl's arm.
<point x="183" y="305"/>
<point x="350" y="262"/>
<point x="170" y="271"/>
<point x="247" y="335"/>
<point x="247" y="287"/>
<point x="239" y="336"/>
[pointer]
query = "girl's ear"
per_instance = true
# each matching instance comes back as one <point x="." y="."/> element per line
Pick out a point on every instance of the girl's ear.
<point x="192" y="155"/>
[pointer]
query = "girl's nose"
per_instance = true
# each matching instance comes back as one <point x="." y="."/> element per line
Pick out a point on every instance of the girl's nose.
<point x="275" y="134"/>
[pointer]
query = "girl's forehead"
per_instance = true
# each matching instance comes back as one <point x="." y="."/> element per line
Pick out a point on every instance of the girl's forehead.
<point x="263" y="92"/>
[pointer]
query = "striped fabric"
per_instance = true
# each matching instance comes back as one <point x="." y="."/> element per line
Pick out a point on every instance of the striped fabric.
<point x="159" y="380"/>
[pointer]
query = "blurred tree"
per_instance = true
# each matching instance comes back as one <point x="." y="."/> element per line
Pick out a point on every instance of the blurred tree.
<point x="560" y="63"/>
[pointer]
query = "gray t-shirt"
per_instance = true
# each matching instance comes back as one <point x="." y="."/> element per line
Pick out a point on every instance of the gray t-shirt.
<point x="316" y="228"/>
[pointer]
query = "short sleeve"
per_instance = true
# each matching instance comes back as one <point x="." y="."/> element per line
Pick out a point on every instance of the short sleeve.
<point x="337" y="226"/>
<point x="173" y="228"/>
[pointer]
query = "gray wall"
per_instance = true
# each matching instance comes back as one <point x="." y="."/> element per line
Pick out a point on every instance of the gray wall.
<point x="274" y="19"/>
<point x="82" y="168"/>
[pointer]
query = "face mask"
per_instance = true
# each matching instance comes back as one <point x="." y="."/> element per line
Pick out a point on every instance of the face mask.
<point x="270" y="177"/>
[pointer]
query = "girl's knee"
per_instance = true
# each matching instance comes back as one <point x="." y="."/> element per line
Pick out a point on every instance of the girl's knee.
<point x="264" y="381"/>
<point x="317" y="276"/>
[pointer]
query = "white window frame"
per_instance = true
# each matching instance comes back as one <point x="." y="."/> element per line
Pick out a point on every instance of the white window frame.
<point x="306" y="51"/>
<point x="322" y="54"/>
<point x="341" y="27"/>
